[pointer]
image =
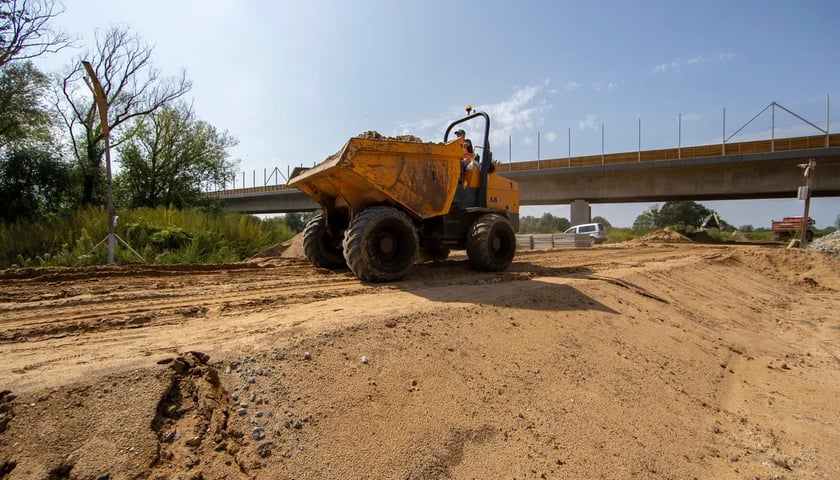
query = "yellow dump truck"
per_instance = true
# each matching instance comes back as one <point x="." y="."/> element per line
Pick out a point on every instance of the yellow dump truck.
<point x="388" y="203"/>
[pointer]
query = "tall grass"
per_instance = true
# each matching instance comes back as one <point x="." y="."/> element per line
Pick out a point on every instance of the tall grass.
<point x="160" y="235"/>
<point x="618" y="235"/>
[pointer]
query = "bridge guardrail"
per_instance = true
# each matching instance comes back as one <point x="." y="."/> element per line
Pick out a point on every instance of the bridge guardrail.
<point x="701" y="151"/>
<point x="244" y="191"/>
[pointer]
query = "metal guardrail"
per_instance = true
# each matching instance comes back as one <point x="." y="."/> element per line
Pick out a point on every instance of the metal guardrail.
<point x="741" y="148"/>
<point x="245" y="191"/>
<point x="552" y="241"/>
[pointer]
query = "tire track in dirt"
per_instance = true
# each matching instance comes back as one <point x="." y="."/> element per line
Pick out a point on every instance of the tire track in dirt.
<point x="195" y="316"/>
<point x="136" y="309"/>
<point x="135" y="306"/>
<point x="599" y="362"/>
<point x="125" y="301"/>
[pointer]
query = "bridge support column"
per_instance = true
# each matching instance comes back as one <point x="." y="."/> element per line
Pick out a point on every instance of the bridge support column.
<point x="581" y="212"/>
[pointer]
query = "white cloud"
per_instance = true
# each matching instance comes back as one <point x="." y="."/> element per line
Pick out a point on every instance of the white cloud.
<point x="608" y="86"/>
<point x="571" y="86"/>
<point x="550" y="136"/>
<point x="697" y="61"/>
<point x="523" y="111"/>
<point x="589" y="122"/>
<point x="690" y="117"/>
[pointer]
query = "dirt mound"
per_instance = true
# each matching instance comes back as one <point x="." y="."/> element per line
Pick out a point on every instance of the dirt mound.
<point x="666" y="235"/>
<point x="273" y="251"/>
<point x="798" y="267"/>
<point x="294" y="249"/>
<point x="291" y="248"/>
<point x="374" y="135"/>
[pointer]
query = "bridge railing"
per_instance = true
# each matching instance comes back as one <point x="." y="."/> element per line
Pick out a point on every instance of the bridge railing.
<point x="701" y="151"/>
<point x="247" y="190"/>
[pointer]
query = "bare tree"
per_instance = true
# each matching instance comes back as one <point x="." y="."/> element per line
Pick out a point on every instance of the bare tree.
<point x="24" y="29"/>
<point x="132" y="87"/>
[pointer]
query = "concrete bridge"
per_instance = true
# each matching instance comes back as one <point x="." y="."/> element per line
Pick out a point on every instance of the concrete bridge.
<point x="733" y="171"/>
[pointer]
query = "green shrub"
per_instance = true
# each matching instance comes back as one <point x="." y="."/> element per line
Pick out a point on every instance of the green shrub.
<point x="160" y="235"/>
<point x="170" y="238"/>
<point x="759" y="235"/>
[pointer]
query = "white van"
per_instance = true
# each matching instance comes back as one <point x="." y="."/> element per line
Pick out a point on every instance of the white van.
<point x="595" y="230"/>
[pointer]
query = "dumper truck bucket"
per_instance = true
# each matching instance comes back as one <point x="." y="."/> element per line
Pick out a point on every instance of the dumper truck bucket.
<point x="420" y="177"/>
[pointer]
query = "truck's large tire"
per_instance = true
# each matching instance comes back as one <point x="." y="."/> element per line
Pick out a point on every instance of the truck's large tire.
<point x="320" y="247"/>
<point x="491" y="243"/>
<point x="381" y="244"/>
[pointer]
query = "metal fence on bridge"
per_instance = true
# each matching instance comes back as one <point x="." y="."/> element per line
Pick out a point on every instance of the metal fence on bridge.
<point x="271" y="180"/>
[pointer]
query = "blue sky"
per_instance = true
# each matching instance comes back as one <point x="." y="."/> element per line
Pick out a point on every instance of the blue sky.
<point x="294" y="80"/>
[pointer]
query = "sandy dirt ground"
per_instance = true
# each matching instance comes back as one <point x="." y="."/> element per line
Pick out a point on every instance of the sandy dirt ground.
<point x="644" y="360"/>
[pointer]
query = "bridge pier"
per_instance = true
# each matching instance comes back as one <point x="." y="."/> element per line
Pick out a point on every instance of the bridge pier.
<point x="581" y="212"/>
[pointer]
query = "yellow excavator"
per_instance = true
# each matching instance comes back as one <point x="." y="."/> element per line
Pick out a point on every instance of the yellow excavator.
<point x="388" y="203"/>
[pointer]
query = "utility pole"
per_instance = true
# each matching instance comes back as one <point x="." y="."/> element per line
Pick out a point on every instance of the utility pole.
<point x="809" y="170"/>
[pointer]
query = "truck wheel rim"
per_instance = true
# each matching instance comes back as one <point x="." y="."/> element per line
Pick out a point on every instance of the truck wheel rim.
<point x="386" y="245"/>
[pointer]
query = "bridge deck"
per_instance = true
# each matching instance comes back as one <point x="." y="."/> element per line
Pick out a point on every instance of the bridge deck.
<point x="701" y="151"/>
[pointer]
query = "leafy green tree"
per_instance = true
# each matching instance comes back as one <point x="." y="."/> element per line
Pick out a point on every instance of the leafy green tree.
<point x="297" y="221"/>
<point x="724" y="225"/>
<point x="33" y="182"/>
<point x="133" y="88"/>
<point x="25" y="32"/>
<point x="647" y="220"/>
<point x="548" y="223"/>
<point x="603" y="221"/>
<point x="170" y="155"/>
<point x="562" y="224"/>
<point x="681" y="213"/>
<point x="676" y="214"/>
<point x="527" y="224"/>
<point x="23" y="117"/>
